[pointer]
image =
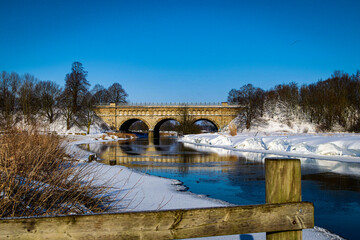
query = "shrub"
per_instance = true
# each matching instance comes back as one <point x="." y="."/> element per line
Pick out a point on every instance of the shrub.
<point x="37" y="178"/>
<point x="322" y="127"/>
<point x="355" y="127"/>
<point x="305" y="130"/>
<point x="232" y="129"/>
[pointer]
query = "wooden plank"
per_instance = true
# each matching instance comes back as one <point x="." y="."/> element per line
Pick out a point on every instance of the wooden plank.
<point x="172" y="224"/>
<point x="283" y="185"/>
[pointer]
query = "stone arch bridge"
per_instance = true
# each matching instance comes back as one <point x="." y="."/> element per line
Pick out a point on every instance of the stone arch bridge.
<point x="154" y="115"/>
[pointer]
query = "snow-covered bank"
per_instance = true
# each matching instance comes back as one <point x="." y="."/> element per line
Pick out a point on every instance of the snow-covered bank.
<point x="339" y="147"/>
<point x="139" y="192"/>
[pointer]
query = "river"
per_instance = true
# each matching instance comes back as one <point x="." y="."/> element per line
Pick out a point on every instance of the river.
<point x="238" y="177"/>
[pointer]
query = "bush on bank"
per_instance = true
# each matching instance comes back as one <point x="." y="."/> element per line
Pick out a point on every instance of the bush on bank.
<point x="39" y="179"/>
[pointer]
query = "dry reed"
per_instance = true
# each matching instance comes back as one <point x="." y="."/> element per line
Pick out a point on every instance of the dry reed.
<point x="37" y="178"/>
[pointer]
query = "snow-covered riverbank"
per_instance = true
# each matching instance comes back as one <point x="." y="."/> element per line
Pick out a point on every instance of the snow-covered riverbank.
<point x="339" y="147"/>
<point x="139" y="192"/>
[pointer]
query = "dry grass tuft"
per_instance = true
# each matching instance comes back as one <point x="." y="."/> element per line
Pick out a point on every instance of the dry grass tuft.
<point x="37" y="178"/>
<point x="168" y="133"/>
<point x="121" y="135"/>
<point x="232" y="129"/>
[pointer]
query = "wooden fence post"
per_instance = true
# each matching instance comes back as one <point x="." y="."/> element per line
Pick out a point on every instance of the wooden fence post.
<point x="283" y="185"/>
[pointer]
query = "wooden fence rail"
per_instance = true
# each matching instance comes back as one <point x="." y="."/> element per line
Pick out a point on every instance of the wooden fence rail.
<point x="279" y="219"/>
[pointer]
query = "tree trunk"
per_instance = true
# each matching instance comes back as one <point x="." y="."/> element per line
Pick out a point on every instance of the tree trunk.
<point x="67" y="124"/>
<point x="88" y="127"/>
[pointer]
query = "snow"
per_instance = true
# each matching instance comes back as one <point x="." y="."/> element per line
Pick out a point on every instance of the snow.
<point x="335" y="146"/>
<point x="278" y="123"/>
<point x="59" y="126"/>
<point x="140" y="192"/>
<point x="251" y="143"/>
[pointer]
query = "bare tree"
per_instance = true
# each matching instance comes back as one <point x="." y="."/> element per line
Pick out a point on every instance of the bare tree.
<point x="252" y="101"/>
<point x="332" y="102"/>
<point x="117" y="94"/>
<point x="87" y="111"/>
<point x="100" y="94"/>
<point x="288" y="99"/>
<point x="48" y="93"/>
<point x="138" y="126"/>
<point x="9" y="88"/>
<point x="4" y="94"/>
<point x="170" y="125"/>
<point x="76" y="84"/>
<point x="65" y="107"/>
<point x="186" y="125"/>
<point x="27" y="97"/>
<point x="15" y="82"/>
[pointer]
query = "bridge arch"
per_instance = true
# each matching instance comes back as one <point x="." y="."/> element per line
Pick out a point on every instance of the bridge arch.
<point x="159" y="122"/>
<point x="125" y="125"/>
<point x="208" y="120"/>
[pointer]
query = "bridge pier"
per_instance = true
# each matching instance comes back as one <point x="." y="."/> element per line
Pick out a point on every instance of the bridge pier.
<point x="151" y="134"/>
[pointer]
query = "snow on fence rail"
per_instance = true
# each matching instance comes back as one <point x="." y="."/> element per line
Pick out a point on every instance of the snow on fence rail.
<point x="282" y="217"/>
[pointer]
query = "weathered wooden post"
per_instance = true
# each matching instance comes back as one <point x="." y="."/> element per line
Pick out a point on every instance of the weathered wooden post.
<point x="283" y="185"/>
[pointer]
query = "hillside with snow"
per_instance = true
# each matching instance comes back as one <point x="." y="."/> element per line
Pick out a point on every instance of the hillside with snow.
<point x="59" y="126"/>
<point x="276" y="119"/>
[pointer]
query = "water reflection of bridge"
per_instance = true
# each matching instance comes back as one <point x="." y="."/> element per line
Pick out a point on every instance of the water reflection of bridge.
<point x="163" y="155"/>
<point x="124" y="154"/>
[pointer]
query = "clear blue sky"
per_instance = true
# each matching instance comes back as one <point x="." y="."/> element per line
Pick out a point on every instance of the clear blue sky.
<point x="181" y="51"/>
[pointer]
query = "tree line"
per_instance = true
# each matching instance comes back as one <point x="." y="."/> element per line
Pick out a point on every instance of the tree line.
<point x="328" y="103"/>
<point x="24" y="97"/>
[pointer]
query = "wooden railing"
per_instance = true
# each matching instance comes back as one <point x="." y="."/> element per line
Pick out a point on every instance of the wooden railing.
<point x="282" y="217"/>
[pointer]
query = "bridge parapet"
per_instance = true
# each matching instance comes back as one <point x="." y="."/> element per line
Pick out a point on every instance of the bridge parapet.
<point x="170" y="104"/>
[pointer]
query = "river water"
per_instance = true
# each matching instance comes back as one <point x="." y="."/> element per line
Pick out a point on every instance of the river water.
<point x="238" y="177"/>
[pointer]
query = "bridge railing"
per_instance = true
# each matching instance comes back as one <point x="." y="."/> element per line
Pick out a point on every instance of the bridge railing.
<point x="169" y="104"/>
